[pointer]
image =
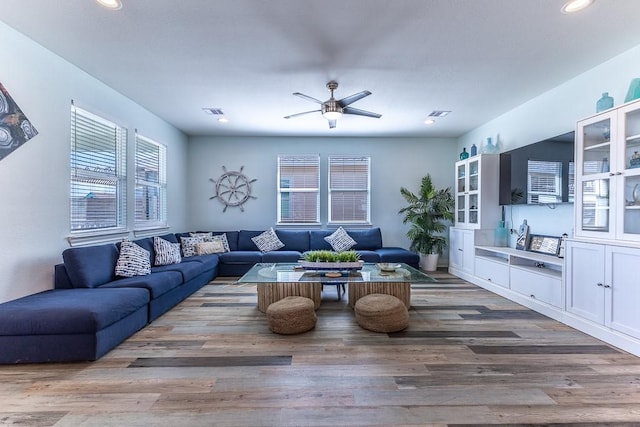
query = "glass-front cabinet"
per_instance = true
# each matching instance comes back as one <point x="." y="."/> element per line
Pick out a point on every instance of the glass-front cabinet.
<point x="608" y="170"/>
<point x="476" y="192"/>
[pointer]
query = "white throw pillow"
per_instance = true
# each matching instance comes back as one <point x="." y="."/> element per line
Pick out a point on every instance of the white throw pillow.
<point x="340" y="240"/>
<point x="206" y="248"/>
<point x="268" y="241"/>
<point x="166" y="252"/>
<point x="133" y="260"/>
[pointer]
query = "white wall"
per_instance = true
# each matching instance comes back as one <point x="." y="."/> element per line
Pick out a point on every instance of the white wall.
<point x="394" y="163"/>
<point x="34" y="194"/>
<point x="553" y="113"/>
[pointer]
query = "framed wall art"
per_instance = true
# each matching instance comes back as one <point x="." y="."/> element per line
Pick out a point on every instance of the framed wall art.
<point x="15" y="128"/>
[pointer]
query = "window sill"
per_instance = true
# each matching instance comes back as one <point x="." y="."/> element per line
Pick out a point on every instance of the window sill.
<point x="351" y="225"/>
<point x="148" y="232"/>
<point x="86" y="239"/>
<point x="298" y="224"/>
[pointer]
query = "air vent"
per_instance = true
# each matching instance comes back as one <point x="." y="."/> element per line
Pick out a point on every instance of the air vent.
<point x="213" y="111"/>
<point x="439" y="113"/>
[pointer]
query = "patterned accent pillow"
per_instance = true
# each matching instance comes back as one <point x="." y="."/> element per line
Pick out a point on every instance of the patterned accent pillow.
<point x="206" y="237"/>
<point x="133" y="260"/>
<point x="166" y="252"/>
<point x="209" y="237"/>
<point x="206" y="248"/>
<point x="189" y="245"/>
<point x="268" y="241"/>
<point x="222" y="238"/>
<point x="340" y="240"/>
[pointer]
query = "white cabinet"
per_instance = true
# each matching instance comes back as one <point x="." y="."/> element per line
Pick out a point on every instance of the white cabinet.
<point x="603" y="286"/>
<point x="461" y="243"/>
<point x="476" y="192"/>
<point x="537" y="277"/>
<point x="608" y="175"/>
<point x="462" y="249"/>
<point x="585" y="280"/>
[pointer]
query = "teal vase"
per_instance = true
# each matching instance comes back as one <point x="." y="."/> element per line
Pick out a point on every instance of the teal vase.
<point x="634" y="90"/>
<point x="604" y="103"/>
<point x="464" y="154"/>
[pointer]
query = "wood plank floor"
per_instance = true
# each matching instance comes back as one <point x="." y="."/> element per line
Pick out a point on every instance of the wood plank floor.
<point x="469" y="357"/>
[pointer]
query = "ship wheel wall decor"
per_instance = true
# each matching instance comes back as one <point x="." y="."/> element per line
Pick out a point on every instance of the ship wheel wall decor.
<point x="233" y="188"/>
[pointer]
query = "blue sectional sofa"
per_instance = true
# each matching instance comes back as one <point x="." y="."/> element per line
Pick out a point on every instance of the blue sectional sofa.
<point x="244" y="253"/>
<point x="91" y="310"/>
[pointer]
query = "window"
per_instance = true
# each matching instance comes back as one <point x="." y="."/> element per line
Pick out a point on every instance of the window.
<point x="151" y="183"/>
<point x="98" y="177"/>
<point x="299" y="189"/>
<point x="349" y="195"/>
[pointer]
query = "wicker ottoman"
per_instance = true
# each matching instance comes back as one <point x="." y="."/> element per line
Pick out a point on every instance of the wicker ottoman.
<point x="381" y="313"/>
<point x="291" y="315"/>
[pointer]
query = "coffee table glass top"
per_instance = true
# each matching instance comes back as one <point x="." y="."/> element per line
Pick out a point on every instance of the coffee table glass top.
<point x="291" y="272"/>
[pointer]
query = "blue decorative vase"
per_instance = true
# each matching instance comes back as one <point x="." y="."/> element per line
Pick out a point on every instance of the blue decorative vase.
<point x="604" y="103"/>
<point x="634" y="90"/>
<point x="464" y="154"/>
<point x="474" y="150"/>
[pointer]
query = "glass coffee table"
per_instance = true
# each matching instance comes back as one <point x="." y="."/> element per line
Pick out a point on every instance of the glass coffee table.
<point x="276" y="281"/>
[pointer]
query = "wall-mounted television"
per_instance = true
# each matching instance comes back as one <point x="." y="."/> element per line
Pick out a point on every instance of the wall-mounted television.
<point x="539" y="173"/>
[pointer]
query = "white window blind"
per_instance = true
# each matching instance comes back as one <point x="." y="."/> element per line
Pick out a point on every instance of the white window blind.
<point x="98" y="174"/>
<point x="151" y="183"/>
<point x="299" y="189"/>
<point x="544" y="181"/>
<point x="349" y="189"/>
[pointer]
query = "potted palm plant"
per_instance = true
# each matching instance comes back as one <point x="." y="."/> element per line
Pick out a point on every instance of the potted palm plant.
<point x="428" y="213"/>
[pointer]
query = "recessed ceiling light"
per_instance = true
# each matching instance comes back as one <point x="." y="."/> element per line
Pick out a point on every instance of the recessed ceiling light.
<point x="429" y="121"/>
<point x="223" y="120"/>
<point x="573" y="6"/>
<point x="111" y="4"/>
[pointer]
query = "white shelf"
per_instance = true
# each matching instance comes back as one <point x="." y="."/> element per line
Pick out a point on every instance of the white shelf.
<point x="596" y="146"/>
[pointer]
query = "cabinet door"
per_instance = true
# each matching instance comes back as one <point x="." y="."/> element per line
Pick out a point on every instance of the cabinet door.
<point x="473" y="216"/>
<point x="595" y="176"/>
<point x="628" y="161"/>
<point x="461" y="249"/>
<point x="461" y="193"/>
<point x="585" y="280"/>
<point x="623" y="290"/>
<point x="456" y="247"/>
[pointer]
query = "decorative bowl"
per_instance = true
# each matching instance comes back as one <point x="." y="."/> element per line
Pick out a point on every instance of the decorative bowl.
<point x="387" y="266"/>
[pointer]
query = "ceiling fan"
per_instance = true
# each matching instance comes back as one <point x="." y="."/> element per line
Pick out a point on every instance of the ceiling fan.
<point x="333" y="109"/>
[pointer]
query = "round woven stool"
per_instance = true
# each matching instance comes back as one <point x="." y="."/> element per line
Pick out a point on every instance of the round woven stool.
<point x="381" y="313"/>
<point x="291" y="315"/>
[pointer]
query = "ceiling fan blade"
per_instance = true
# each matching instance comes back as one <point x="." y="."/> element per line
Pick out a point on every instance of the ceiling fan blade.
<point x="307" y="97"/>
<point x="301" y="114"/>
<point x="359" y="112"/>
<point x="353" y="98"/>
<point x="332" y="124"/>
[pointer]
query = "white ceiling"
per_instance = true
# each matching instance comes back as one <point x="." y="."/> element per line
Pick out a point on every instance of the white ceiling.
<point x="478" y="58"/>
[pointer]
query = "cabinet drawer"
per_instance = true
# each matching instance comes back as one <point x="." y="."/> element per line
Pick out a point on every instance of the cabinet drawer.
<point x="541" y="287"/>
<point x="494" y="271"/>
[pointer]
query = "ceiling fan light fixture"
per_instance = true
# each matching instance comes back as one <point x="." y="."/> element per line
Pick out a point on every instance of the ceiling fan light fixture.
<point x="331" y="110"/>
<point x="573" y="6"/>
<point x="110" y="4"/>
<point x="429" y="121"/>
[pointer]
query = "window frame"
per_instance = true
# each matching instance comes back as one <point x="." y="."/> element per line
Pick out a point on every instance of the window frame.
<point x="305" y="160"/>
<point x="160" y="185"/>
<point x="330" y="190"/>
<point x="90" y="130"/>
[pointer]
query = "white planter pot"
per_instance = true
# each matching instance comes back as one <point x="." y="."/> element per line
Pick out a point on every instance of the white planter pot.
<point x="430" y="262"/>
